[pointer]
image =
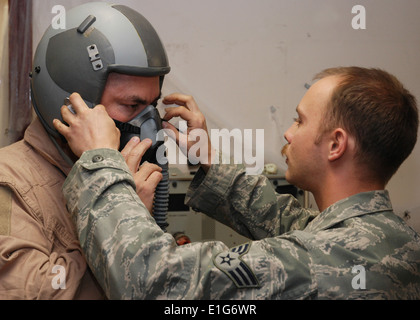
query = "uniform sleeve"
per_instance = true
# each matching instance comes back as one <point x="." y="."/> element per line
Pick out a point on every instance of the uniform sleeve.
<point x="31" y="264"/>
<point x="246" y="203"/>
<point x="132" y="258"/>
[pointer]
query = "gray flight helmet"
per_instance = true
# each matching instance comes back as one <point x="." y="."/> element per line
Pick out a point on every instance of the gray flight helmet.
<point x="99" y="38"/>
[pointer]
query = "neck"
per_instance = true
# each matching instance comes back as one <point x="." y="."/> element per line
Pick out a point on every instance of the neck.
<point x="338" y="187"/>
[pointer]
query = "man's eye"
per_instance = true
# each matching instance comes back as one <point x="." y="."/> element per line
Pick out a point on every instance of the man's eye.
<point x="297" y="120"/>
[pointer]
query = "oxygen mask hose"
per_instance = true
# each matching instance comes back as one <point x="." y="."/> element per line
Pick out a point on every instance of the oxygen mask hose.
<point x="148" y="125"/>
<point x="161" y="203"/>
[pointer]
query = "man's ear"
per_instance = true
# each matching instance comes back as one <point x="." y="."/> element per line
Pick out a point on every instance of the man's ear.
<point x="338" y="144"/>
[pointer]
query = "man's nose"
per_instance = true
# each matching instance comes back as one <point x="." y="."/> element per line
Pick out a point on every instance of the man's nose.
<point x="288" y="135"/>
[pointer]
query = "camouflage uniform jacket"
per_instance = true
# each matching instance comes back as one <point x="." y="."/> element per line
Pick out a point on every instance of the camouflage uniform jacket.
<point x="357" y="248"/>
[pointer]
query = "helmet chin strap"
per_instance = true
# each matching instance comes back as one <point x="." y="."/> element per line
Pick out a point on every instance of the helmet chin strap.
<point x="62" y="153"/>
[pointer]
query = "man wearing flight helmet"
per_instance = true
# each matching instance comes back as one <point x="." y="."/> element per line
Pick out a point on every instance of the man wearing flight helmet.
<point x="109" y="55"/>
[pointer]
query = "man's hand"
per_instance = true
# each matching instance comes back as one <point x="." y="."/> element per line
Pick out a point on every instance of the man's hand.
<point x="196" y="128"/>
<point x="148" y="176"/>
<point x="88" y="129"/>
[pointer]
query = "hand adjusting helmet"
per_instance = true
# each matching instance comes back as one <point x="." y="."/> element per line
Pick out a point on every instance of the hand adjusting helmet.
<point x="99" y="38"/>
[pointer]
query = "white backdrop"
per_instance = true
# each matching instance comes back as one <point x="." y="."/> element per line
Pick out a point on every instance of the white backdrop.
<point x="246" y="61"/>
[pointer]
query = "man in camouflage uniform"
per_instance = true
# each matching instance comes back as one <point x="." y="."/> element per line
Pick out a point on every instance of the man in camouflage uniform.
<point x="354" y="128"/>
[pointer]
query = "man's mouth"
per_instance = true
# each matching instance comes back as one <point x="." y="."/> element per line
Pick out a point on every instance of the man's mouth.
<point x="284" y="150"/>
<point x="284" y="153"/>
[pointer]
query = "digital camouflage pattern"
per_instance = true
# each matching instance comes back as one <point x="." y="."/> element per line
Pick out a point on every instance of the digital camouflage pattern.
<point x="295" y="253"/>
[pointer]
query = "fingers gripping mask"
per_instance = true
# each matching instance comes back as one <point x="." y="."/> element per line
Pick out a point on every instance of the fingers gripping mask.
<point x="149" y="125"/>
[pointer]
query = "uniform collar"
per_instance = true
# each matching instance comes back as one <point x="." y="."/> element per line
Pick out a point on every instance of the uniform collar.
<point x="36" y="136"/>
<point x="354" y="206"/>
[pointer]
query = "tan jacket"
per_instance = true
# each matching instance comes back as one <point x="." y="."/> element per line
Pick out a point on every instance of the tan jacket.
<point x="40" y="255"/>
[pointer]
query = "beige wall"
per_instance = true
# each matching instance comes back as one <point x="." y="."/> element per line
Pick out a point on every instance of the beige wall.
<point x="4" y="71"/>
<point x="246" y="61"/>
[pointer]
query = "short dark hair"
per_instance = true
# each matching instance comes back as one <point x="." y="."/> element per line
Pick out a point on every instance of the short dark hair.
<point x="376" y="109"/>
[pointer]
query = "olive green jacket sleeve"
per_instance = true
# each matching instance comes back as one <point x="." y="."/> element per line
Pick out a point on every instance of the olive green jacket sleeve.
<point x="355" y="249"/>
<point x="132" y="258"/>
<point x="247" y="203"/>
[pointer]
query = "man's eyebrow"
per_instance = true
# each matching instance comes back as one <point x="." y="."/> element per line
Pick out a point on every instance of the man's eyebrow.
<point x="139" y="100"/>
<point x="300" y="114"/>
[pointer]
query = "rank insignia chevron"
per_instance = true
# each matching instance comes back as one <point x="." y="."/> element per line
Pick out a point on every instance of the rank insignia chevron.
<point x="235" y="268"/>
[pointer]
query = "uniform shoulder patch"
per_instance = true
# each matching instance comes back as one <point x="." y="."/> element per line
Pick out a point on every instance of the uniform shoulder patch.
<point x="5" y="210"/>
<point x="235" y="268"/>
